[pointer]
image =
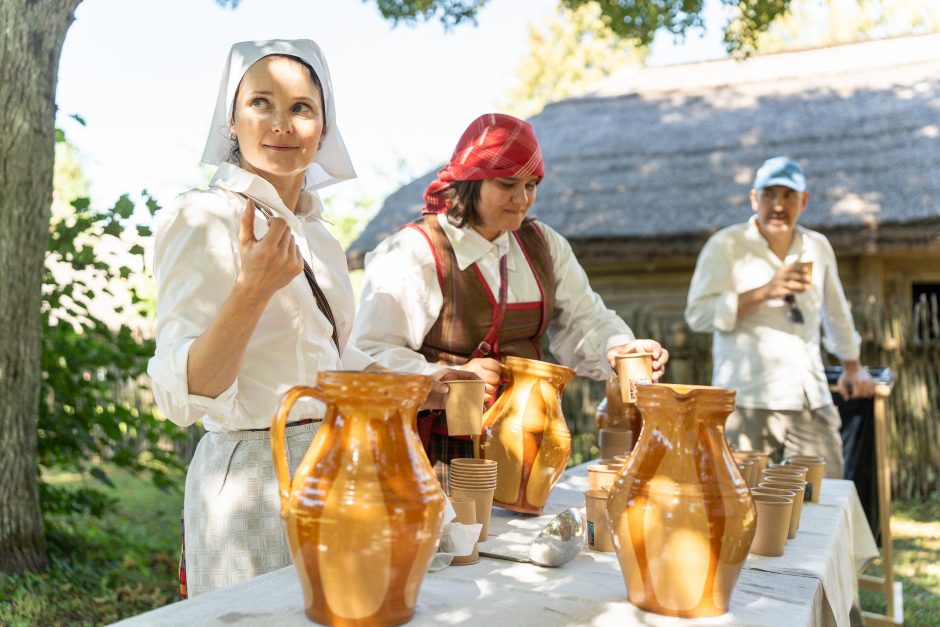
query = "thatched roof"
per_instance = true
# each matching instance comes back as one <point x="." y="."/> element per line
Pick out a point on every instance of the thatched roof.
<point x="652" y="161"/>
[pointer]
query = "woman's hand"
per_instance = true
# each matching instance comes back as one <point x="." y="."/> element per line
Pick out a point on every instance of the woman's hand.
<point x="660" y="355"/>
<point x="488" y="369"/>
<point x="272" y="262"/>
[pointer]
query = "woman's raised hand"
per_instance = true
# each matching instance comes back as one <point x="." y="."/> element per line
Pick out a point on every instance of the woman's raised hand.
<point x="272" y="262"/>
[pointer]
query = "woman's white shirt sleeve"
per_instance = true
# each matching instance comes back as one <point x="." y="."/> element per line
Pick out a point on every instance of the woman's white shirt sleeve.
<point x="196" y="265"/>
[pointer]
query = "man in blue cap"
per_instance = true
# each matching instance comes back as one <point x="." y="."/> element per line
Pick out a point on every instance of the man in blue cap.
<point x="764" y="288"/>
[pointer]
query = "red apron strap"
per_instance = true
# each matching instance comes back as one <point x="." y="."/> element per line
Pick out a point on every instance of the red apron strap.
<point x="489" y="341"/>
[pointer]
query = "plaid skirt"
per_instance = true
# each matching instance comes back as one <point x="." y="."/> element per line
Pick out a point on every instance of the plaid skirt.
<point x="440" y="447"/>
<point x="231" y="514"/>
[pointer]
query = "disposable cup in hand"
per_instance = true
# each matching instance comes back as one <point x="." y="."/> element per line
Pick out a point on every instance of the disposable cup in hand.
<point x="464" y="407"/>
<point x="634" y="369"/>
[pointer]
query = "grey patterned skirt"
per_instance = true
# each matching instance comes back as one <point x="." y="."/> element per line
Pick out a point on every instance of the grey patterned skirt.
<point x="231" y="510"/>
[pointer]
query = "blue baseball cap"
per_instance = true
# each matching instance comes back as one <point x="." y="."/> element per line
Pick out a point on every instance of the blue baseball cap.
<point x="780" y="171"/>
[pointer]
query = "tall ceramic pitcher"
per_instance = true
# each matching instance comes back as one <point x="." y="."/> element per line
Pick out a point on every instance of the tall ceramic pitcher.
<point x="525" y="432"/>
<point x="680" y="513"/>
<point x="364" y="510"/>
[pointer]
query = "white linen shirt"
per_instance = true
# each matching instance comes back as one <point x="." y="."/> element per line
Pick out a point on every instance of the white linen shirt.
<point x="773" y="363"/>
<point x="196" y="261"/>
<point x="401" y="299"/>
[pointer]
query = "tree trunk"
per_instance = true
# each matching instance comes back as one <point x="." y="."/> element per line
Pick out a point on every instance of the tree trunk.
<point x="31" y="36"/>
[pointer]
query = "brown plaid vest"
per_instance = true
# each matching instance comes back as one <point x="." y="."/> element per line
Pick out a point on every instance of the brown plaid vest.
<point x="469" y="305"/>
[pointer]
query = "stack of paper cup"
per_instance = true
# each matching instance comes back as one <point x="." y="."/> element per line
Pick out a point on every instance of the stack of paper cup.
<point x="475" y="479"/>
<point x="614" y="442"/>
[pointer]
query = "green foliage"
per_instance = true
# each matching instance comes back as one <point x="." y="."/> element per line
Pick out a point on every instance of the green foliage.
<point x="102" y="570"/>
<point x="815" y="23"/>
<point x="640" y="19"/>
<point x="632" y="20"/>
<point x="449" y="12"/>
<point x="572" y="50"/>
<point x="346" y="225"/>
<point x="92" y="406"/>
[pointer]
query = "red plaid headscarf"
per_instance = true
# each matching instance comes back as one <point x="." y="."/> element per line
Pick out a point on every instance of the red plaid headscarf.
<point x="495" y="145"/>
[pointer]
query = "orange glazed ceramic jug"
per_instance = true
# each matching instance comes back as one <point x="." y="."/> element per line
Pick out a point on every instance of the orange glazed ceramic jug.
<point x="680" y="513"/>
<point x="525" y="432"/>
<point x="364" y="510"/>
<point x="616" y="414"/>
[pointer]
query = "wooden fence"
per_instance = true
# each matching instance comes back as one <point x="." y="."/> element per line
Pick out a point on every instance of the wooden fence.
<point x="907" y="340"/>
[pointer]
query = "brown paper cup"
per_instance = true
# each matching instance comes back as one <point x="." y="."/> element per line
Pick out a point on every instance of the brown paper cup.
<point x="483" y="499"/>
<point x="614" y="442"/>
<point x="795" y="472"/>
<point x="473" y="462"/>
<point x="748" y="469"/>
<point x="466" y="515"/>
<point x="800" y="489"/>
<point x="464" y="407"/>
<point x="598" y="531"/>
<point x="760" y="458"/>
<point x="796" y="497"/>
<point x="634" y="369"/>
<point x="807" y="268"/>
<point x="773" y="524"/>
<point x="600" y="477"/>
<point x="815" y="469"/>
<point x="789" y="470"/>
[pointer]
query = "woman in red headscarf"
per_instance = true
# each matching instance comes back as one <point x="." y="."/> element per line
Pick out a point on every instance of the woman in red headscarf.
<point x="476" y="279"/>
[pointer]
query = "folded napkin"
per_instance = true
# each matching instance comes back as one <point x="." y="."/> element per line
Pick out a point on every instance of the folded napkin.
<point x="456" y="539"/>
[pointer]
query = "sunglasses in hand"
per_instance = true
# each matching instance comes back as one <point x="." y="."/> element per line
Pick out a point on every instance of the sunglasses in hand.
<point x="794" y="314"/>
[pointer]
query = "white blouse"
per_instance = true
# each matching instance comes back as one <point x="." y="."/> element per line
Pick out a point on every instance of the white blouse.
<point x="196" y="262"/>
<point x="773" y="363"/>
<point x="401" y="299"/>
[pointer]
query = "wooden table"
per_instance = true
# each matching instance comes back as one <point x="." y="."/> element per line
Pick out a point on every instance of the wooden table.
<point x="814" y="583"/>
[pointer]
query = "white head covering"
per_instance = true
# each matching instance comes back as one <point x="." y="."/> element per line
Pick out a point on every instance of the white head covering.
<point x="332" y="164"/>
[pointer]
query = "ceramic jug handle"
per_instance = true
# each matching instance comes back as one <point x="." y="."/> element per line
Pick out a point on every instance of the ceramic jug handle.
<point x="278" y="425"/>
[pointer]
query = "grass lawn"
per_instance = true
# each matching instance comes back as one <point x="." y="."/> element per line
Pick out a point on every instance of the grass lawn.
<point x="916" y="530"/>
<point x="103" y="571"/>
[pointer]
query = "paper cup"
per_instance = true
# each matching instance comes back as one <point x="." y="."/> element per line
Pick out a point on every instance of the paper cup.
<point x="773" y="524"/>
<point x="464" y="407"/>
<point x="613" y="442"/>
<point x="600" y="477"/>
<point x="815" y="469"/>
<point x="483" y="499"/>
<point x="466" y="515"/>
<point x="634" y="369"/>
<point x="793" y="472"/>
<point x="807" y="268"/>
<point x="598" y="531"/>
<point x="796" y="497"/>
<point x="800" y="490"/>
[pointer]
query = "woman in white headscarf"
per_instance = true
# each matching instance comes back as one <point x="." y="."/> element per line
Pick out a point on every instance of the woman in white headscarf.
<point x="253" y="297"/>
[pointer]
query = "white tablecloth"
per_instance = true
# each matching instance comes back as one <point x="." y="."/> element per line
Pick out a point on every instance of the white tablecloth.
<point x="814" y="583"/>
